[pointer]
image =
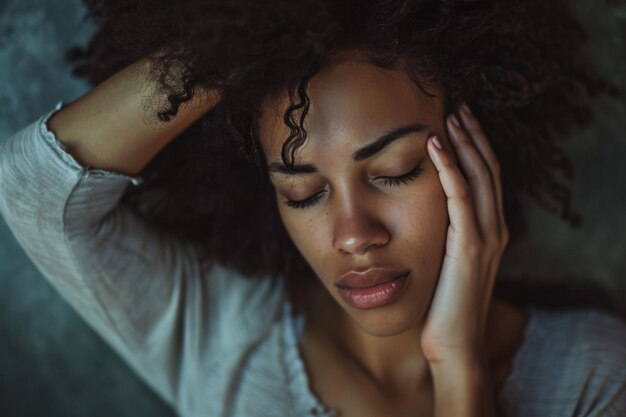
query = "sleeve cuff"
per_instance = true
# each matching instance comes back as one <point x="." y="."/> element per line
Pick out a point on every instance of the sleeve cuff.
<point x="61" y="150"/>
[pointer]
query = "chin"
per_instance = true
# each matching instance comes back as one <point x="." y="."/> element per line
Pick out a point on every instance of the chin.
<point x="386" y="326"/>
<point x="402" y="316"/>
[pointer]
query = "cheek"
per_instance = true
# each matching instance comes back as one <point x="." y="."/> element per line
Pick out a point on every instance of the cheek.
<point x="420" y="225"/>
<point x="305" y="232"/>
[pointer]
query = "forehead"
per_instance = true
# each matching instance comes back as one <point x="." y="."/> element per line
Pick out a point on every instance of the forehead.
<point x="350" y="103"/>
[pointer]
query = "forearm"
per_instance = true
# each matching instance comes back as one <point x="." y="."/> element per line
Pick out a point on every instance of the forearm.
<point x="463" y="389"/>
<point x="112" y="128"/>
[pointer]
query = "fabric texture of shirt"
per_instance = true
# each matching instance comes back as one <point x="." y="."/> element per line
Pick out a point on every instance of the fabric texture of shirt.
<point x="213" y="343"/>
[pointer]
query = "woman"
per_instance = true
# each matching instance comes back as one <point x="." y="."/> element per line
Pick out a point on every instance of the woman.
<point x="324" y="235"/>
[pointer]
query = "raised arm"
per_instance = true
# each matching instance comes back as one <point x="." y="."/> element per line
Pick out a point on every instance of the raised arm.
<point x="142" y="290"/>
<point x="127" y="135"/>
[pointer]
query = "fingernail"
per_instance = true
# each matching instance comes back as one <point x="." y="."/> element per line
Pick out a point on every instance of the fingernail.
<point x="435" y="140"/>
<point x="455" y="121"/>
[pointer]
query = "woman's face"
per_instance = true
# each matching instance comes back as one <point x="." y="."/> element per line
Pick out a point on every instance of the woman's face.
<point x="342" y="206"/>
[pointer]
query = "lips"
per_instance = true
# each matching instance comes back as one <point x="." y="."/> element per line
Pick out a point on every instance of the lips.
<point x="370" y="277"/>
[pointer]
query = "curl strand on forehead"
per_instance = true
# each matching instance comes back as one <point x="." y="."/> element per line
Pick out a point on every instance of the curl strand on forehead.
<point x="296" y="112"/>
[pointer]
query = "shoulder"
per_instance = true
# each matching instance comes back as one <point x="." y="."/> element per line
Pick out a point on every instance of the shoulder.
<point x="249" y="302"/>
<point x="594" y="336"/>
<point x="572" y="363"/>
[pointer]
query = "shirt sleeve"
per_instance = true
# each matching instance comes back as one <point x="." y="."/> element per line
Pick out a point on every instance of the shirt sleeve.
<point x="600" y="356"/>
<point x="572" y="364"/>
<point x="145" y="292"/>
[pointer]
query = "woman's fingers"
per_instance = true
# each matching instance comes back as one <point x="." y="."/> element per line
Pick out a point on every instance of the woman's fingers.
<point x="459" y="195"/>
<point x="479" y="160"/>
<point x="479" y="176"/>
<point x="482" y="144"/>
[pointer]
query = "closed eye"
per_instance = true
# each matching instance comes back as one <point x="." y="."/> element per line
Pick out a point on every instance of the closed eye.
<point x="388" y="181"/>
<point x="402" y="179"/>
<point x="300" y="204"/>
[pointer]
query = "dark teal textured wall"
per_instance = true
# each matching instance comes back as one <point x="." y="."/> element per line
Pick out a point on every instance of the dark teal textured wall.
<point x="52" y="364"/>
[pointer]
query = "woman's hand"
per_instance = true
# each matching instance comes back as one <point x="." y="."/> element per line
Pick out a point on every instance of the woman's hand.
<point x="453" y="339"/>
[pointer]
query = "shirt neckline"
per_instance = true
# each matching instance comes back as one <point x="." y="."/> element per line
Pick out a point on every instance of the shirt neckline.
<point x="306" y="401"/>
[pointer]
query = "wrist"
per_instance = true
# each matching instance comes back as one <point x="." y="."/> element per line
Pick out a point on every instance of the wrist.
<point x="463" y="387"/>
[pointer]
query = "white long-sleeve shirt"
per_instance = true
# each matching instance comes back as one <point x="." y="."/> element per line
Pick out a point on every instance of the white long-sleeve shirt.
<point x="213" y="343"/>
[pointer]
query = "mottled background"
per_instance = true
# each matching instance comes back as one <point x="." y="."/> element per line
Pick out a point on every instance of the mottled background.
<point x="52" y="364"/>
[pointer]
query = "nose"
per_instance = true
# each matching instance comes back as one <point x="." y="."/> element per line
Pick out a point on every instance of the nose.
<point x="356" y="230"/>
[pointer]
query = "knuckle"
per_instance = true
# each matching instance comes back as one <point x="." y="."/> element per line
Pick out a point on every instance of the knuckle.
<point x="464" y="194"/>
<point x="490" y="241"/>
<point x="479" y="130"/>
<point x="505" y="236"/>
<point x="472" y="126"/>
<point x="496" y="167"/>
<point x="482" y="172"/>
<point x="493" y="244"/>
<point x="497" y="244"/>
<point x="448" y="161"/>
<point x="474" y="249"/>
<point x="463" y="138"/>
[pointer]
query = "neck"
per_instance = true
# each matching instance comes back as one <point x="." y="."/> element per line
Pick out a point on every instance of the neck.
<point x="395" y="364"/>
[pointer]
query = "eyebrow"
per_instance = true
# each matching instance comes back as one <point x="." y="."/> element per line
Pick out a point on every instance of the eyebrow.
<point x="361" y="154"/>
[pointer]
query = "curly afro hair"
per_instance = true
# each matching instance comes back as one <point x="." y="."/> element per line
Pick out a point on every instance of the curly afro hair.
<point x="518" y="64"/>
